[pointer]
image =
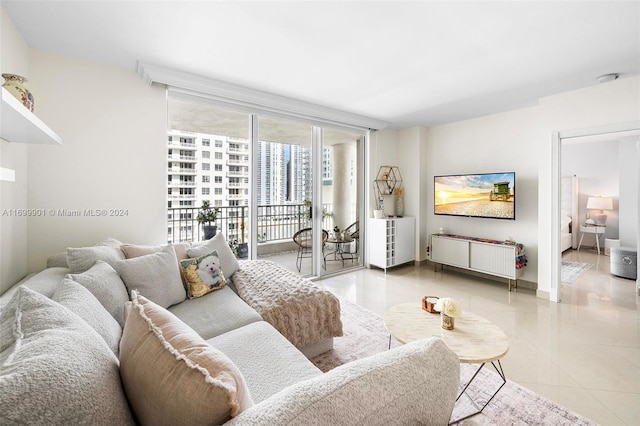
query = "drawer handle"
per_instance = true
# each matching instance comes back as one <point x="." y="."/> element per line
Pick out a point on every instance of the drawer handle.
<point x="627" y="260"/>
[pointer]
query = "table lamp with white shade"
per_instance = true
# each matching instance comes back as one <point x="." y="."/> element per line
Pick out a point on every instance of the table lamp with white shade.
<point x="602" y="204"/>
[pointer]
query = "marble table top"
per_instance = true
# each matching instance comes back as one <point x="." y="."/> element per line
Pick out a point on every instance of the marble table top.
<point x="474" y="338"/>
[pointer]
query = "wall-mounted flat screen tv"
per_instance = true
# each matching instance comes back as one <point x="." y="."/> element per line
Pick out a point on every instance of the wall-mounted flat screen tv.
<point x="491" y="195"/>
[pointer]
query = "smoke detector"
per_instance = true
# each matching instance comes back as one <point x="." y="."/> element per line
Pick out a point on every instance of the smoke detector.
<point x="607" y="77"/>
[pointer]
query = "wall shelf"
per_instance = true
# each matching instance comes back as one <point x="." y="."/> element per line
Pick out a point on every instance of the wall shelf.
<point x="19" y="125"/>
<point x="387" y="180"/>
<point x="7" y="175"/>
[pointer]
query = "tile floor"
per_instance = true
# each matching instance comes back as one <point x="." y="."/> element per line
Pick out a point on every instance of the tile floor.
<point x="583" y="353"/>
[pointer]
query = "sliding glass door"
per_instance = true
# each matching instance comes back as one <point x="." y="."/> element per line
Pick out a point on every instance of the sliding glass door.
<point x="308" y="181"/>
<point x="283" y="182"/>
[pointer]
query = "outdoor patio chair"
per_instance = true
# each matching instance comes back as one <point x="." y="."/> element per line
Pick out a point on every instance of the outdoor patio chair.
<point x="304" y="239"/>
<point x="353" y="231"/>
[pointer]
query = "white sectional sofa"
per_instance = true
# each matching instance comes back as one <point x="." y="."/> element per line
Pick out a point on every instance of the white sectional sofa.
<point x="70" y="353"/>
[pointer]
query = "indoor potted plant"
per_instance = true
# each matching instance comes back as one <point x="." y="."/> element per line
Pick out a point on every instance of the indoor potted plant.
<point x="207" y="217"/>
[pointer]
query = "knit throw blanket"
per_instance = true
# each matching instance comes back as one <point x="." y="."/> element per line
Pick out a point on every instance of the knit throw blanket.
<point x="301" y="311"/>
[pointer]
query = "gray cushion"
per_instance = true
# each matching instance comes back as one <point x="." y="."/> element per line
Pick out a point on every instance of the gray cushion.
<point x="44" y="282"/>
<point x="83" y="258"/>
<point x="228" y="262"/>
<point x="57" y="260"/>
<point x="156" y="276"/>
<point x="414" y="384"/>
<point x="54" y="368"/>
<point x="81" y="302"/>
<point x="268" y="361"/>
<point x="107" y="286"/>
<point x="215" y="313"/>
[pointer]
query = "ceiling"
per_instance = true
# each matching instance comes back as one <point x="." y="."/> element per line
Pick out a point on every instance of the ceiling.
<point x="408" y="63"/>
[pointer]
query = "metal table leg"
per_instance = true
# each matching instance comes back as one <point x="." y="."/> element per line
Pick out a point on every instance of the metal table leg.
<point x="500" y="372"/>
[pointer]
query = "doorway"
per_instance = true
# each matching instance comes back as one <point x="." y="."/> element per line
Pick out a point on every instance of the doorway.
<point x="612" y="132"/>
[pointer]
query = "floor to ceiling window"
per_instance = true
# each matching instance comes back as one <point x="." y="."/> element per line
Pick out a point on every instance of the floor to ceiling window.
<point x="299" y="169"/>
<point x="208" y="160"/>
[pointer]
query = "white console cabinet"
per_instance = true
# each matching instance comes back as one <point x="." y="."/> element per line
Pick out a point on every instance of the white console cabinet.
<point x="391" y="241"/>
<point x="489" y="257"/>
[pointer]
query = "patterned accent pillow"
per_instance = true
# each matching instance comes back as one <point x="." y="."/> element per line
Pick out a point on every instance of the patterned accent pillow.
<point x="203" y="274"/>
<point x="228" y="261"/>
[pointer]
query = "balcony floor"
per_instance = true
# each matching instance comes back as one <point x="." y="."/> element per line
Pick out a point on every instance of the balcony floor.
<point x="288" y="261"/>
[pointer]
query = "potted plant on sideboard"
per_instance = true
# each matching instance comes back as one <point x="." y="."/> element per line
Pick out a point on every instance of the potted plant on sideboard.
<point x="207" y="217"/>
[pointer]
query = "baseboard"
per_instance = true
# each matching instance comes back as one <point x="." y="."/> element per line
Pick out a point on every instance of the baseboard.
<point x="543" y="294"/>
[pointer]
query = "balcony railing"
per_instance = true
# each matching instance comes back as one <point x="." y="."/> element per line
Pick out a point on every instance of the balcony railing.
<point x="275" y="223"/>
<point x="237" y="162"/>
<point x="187" y="145"/>
<point x="181" y="196"/>
<point x="182" y="171"/>
<point x="182" y="157"/>
<point x="176" y="183"/>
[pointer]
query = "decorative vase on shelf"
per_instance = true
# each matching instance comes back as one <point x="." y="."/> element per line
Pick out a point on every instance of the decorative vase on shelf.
<point x="400" y="206"/>
<point x="389" y="204"/>
<point x="446" y="321"/>
<point x="16" y="85"/>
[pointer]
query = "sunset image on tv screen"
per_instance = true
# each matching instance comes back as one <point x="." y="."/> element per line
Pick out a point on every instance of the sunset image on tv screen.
<point x="482" y="195"/>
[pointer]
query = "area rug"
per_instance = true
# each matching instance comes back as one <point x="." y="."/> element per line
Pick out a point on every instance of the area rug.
<point x="572" y="270"/>
<point x="365" y="334"/>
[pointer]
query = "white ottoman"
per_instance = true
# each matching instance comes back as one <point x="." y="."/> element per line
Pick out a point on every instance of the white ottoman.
<point x="624" y="262"/>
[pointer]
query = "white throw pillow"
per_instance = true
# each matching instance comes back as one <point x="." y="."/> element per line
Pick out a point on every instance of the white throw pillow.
<point x="106" y="285"/>
<point x="81" y="302"/>
<point x="155" y="276"/>
<point x="54" y="368"/>
<point x="82" y="258"/>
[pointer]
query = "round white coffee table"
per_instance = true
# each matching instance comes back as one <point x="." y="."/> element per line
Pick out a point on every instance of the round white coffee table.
<point x="474" y="339"/>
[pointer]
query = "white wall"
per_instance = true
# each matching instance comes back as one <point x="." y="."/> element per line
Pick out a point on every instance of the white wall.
<point x="409" y="149"/>
<point x="629" y="188"/>
<point x="14" y="59"/>
<point x="113" y="156"/>
<point x="597" y="166"/>
<point x="614" y="102"/>
<point x="497" y="143"/>
<point x="382" y="152"/>
<point x="520" y="141"/>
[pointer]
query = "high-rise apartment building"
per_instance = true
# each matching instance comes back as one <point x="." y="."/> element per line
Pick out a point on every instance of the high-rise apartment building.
<point x="216" y="168"/>
<point x="204" y="167"/>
